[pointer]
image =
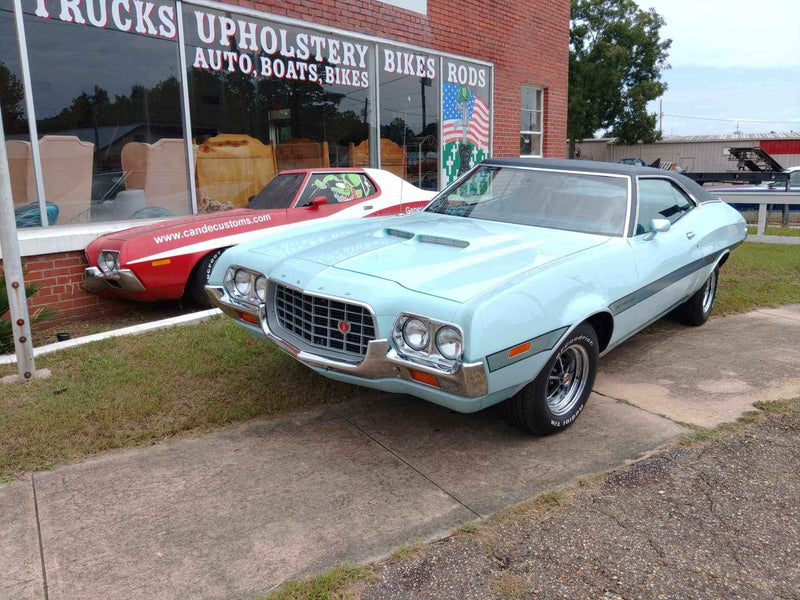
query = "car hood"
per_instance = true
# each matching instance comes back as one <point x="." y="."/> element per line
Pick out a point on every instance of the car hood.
<point x="181" y="223"/>
<point x="451" y="257"/>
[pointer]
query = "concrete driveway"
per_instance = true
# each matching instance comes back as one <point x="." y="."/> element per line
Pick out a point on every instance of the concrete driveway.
<point x="235" y="512"/>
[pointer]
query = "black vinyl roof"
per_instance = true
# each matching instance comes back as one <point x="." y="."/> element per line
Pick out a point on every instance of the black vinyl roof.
<point x="596" y="166"/>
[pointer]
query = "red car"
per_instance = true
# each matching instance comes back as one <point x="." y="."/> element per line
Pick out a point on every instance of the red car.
<point x="172" y="259"/>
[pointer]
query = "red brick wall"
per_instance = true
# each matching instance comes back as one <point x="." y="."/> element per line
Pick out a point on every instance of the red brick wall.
<point x="527" y="40"/>
<point x="59" y="278"/>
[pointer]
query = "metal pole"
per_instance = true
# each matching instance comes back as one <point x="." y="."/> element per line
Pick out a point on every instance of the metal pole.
<point x="12" y="266"/>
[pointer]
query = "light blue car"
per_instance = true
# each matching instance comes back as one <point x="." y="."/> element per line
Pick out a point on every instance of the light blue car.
<point x="508" y="286"/>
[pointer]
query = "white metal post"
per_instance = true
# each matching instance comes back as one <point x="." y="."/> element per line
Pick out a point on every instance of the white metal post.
<point x="12" y="267"/>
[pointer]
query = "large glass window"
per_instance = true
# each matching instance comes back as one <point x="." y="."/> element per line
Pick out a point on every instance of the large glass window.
<point x="266" y="98"/>
<point x="15" y="123"/>
<point x="107" y="100"/>
<point x="409" y="117"/>
<point x="531" y="121"/>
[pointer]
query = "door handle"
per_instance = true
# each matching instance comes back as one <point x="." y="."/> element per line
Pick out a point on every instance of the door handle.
<point x="690" y="235"/>
<point x="368" y="207"/>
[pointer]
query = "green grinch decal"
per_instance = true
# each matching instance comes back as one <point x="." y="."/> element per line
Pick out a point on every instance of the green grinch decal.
<point x="344" y="187"/>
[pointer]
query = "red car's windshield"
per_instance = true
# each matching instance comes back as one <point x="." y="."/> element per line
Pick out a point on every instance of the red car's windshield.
<point x="278" y="193"/>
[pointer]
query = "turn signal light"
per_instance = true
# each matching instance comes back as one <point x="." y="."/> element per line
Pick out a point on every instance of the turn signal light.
<point x="517" y="350"/>
<point x="247" y="317"/>
<point x="425" y="378"/>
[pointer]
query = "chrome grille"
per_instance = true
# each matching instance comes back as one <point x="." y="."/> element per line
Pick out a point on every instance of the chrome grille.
<point x="318" y="320"/>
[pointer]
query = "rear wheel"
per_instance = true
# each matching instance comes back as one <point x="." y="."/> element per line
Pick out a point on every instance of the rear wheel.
<point x="195" y="287"/>
<point x="696" y="310"/>
<point x="553" y="400"/>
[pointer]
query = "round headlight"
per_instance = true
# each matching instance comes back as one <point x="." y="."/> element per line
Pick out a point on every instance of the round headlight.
<point x="449" y="343"/>
<point x="108" y="261"/>
<point x="261" y="288"/>
<point x="228" y="281"/>
<point x="241" y="280"/>
<point x="415" y="334"/>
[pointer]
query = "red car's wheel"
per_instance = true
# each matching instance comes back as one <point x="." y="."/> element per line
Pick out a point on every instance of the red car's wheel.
<point x="195" y="287"/>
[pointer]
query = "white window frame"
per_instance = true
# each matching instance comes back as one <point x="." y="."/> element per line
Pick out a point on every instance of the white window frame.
<point x="540" y="111"/>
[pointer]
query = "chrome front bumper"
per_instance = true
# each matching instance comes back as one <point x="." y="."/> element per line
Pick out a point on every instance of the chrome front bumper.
<point x="381" y="361"/>
<point x="96" y="281"/>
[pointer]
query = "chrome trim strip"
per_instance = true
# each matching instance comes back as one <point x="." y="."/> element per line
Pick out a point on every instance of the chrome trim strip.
<point x="380" y="362"/>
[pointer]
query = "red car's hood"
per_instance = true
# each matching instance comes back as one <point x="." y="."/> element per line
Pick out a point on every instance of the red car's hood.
<point x="180" y="224"/>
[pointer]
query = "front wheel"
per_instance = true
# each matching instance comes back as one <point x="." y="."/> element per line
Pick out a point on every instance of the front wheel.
<point x="696" y="310"/>
<point x="195" y="290"/>
<point x="553" y="400"/>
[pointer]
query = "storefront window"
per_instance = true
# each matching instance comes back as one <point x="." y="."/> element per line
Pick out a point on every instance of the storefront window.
<point x="409" y="117"/>
<point x="530" y="137"/>
<point x="15" y="123"/>
<point x="466" y="98"/>
<point x="266" y="97"/>
<point x="107" y="102"/>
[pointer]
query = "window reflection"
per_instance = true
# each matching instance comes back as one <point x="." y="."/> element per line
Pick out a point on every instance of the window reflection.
<point x="107" y="103"/>
<point x="256" y="113"/>
<point x="409" y="116"/>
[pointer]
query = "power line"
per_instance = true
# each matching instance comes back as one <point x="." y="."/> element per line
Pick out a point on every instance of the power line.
<point x="796" y="122"/>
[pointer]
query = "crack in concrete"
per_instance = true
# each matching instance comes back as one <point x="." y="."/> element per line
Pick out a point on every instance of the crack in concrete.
<point x="39" y="536"/>
<point x="408" y="464"/>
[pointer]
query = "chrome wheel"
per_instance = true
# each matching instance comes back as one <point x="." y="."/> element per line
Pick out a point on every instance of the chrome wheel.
<point x="567" y="379"/>
<point x="708" y="294"/>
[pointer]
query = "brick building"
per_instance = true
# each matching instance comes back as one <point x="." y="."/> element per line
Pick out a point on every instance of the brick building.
<point x="109" y="105"/>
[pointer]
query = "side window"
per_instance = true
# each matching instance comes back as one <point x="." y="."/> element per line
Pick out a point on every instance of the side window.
<point x="794" y="181"/>
<point x="660" y="199"/>
<point x="337" y="188"/>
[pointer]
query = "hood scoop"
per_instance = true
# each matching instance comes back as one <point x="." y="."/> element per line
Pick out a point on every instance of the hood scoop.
<point x="442" y="241"/>
<point x="428" y="239"/>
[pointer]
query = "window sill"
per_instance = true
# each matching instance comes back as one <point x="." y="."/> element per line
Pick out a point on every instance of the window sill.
<point x="67" y="238"/>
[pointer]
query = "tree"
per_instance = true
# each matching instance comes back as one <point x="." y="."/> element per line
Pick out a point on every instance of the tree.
<point x="615" y="62"/>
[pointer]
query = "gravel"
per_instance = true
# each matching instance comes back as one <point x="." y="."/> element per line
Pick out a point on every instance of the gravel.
<point x="714" y="520"/>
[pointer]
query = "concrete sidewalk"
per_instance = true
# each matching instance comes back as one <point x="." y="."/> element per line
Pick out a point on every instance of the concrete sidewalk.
<point x="235" y="512"/>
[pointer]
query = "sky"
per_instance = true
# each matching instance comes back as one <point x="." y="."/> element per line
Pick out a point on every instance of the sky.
<point x="733" y="62"/>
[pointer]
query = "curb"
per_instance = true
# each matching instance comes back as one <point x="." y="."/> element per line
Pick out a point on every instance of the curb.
<point x="179" y="321"/>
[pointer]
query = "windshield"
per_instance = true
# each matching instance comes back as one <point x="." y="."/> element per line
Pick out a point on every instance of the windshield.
<point x="278" y="193"/>
<point x="558" y="200"/>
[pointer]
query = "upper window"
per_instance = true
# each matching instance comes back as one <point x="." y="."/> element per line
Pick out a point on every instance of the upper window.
<point x="108" y="109"/>
<point x="574" y="202"/>
<point x="337" y="188"/>
<point x="660" y="199"/>
<point x="531" y="119"/>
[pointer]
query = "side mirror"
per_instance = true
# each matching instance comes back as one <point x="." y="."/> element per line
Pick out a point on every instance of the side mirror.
<point x="317" y="202"/>
<point x="657" y="226"/>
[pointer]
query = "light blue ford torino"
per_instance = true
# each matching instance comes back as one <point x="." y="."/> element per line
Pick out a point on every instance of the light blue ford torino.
<point x="508" y="286"/>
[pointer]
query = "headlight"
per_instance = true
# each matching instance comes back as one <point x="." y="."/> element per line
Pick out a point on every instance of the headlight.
<point x="449" y="342"/>
<point x="261" y="288"/>
<point x="108" y="261"/>
<point x="243" y="282"/>
<point x="415" y="334"/>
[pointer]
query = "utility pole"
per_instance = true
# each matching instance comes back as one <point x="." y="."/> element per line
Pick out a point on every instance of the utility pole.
<point x="12" y="267"/>
<point x="660" y="116"/>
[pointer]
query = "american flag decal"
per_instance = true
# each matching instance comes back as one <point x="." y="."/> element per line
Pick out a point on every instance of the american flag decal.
<point x="452" y="124"/>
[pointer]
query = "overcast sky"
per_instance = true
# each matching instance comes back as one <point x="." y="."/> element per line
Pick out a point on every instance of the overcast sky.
<point x="731" y="59"/>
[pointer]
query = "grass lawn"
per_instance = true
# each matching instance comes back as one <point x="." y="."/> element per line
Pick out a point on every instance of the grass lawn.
<point x="790" y="231"/>
<point x="139" y="390"/>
